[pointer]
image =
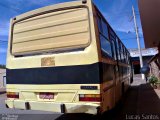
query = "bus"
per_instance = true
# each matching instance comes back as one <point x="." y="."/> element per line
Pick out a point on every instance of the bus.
<point x="66" y="58"/>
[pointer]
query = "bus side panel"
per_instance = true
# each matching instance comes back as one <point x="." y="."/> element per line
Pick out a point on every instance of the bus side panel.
<point x="108" y="86"/>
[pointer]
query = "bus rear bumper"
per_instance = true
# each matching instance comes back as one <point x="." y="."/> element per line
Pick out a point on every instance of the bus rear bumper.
<point x="90" y="108"/>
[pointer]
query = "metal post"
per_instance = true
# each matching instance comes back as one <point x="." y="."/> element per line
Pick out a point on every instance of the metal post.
<point x="138" y="41"/>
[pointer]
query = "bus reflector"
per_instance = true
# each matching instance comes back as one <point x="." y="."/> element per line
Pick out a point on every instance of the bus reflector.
<point x="12" y="95"/>
<point x="90" y="97"/>
<point x="46" y="95"/>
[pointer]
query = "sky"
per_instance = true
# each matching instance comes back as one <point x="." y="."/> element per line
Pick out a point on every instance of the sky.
<point x="118" y="13"/>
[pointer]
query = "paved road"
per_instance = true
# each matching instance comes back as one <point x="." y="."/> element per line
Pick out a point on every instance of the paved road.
<point x="132" y="103"/>
<point x="17" y="114"/>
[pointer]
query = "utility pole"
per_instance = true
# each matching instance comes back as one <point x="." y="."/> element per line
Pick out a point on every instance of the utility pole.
<point x="138" y="41"/>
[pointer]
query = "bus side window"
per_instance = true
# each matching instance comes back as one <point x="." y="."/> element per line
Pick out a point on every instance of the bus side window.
<point x="99" y="24"/>
<point x="118" y="51"/>
<point x="104" y="42"/>
<point x="122" y="54"/>
<point x="114" y="49"/>
<point x="105" y="46"/>
<point x="112" y="38"/>
<point x="105" y="29"/>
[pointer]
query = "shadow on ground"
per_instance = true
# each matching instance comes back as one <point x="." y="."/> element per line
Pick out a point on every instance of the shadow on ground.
<point x="77" y="116"/>
<point x="126" y="105"/>
<point x="149" y="101"/>
<point x="139" y="100"/>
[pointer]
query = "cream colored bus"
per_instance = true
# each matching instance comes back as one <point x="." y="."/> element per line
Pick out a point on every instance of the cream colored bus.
<point x="66" y="58"/>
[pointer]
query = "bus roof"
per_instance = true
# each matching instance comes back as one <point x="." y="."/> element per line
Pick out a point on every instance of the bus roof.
<point x="50" y="8"/>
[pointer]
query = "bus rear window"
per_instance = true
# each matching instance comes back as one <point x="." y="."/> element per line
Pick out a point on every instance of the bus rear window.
<point x="63" y="29"/>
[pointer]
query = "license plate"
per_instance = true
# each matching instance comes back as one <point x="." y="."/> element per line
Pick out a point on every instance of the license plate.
<point x="46" y="96"/>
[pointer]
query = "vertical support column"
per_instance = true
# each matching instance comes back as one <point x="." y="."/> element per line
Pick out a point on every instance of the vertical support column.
<point x="138" y="41"/>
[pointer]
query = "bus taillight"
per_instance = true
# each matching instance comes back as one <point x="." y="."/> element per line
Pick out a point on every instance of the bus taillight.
<point x="12" y="95"/>
<point x="90" y="97"/>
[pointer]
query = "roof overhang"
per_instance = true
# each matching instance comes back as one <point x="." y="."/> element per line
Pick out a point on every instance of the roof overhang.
<point x="150" y="19"/>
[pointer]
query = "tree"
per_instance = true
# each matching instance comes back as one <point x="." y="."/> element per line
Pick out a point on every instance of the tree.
<point x="2" y="66"/>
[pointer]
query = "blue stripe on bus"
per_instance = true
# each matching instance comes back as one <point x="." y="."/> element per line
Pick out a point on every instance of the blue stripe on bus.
<point x="79" y="74"/>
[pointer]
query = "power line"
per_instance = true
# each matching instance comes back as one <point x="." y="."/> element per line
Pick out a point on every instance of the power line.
<point x="3" y="45"/>
<point x="130" y="38"/>
<point x="3" y="41"/>
<point x="6" y="6"/>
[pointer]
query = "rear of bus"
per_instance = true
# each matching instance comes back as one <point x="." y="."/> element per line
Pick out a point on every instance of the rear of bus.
<point x="52" y="61"/>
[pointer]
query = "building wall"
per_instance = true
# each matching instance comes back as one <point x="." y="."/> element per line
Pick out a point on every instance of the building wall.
<point x="2" y="74"/>
<point x="155" y="64"/>
<point x="136" y="63"/>
<point x="154" y="69"/>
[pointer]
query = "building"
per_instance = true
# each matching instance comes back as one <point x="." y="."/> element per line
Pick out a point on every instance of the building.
<point x="150" y="19"/>
<point x="2" y="78"/>
<point x="147" y="55"/>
